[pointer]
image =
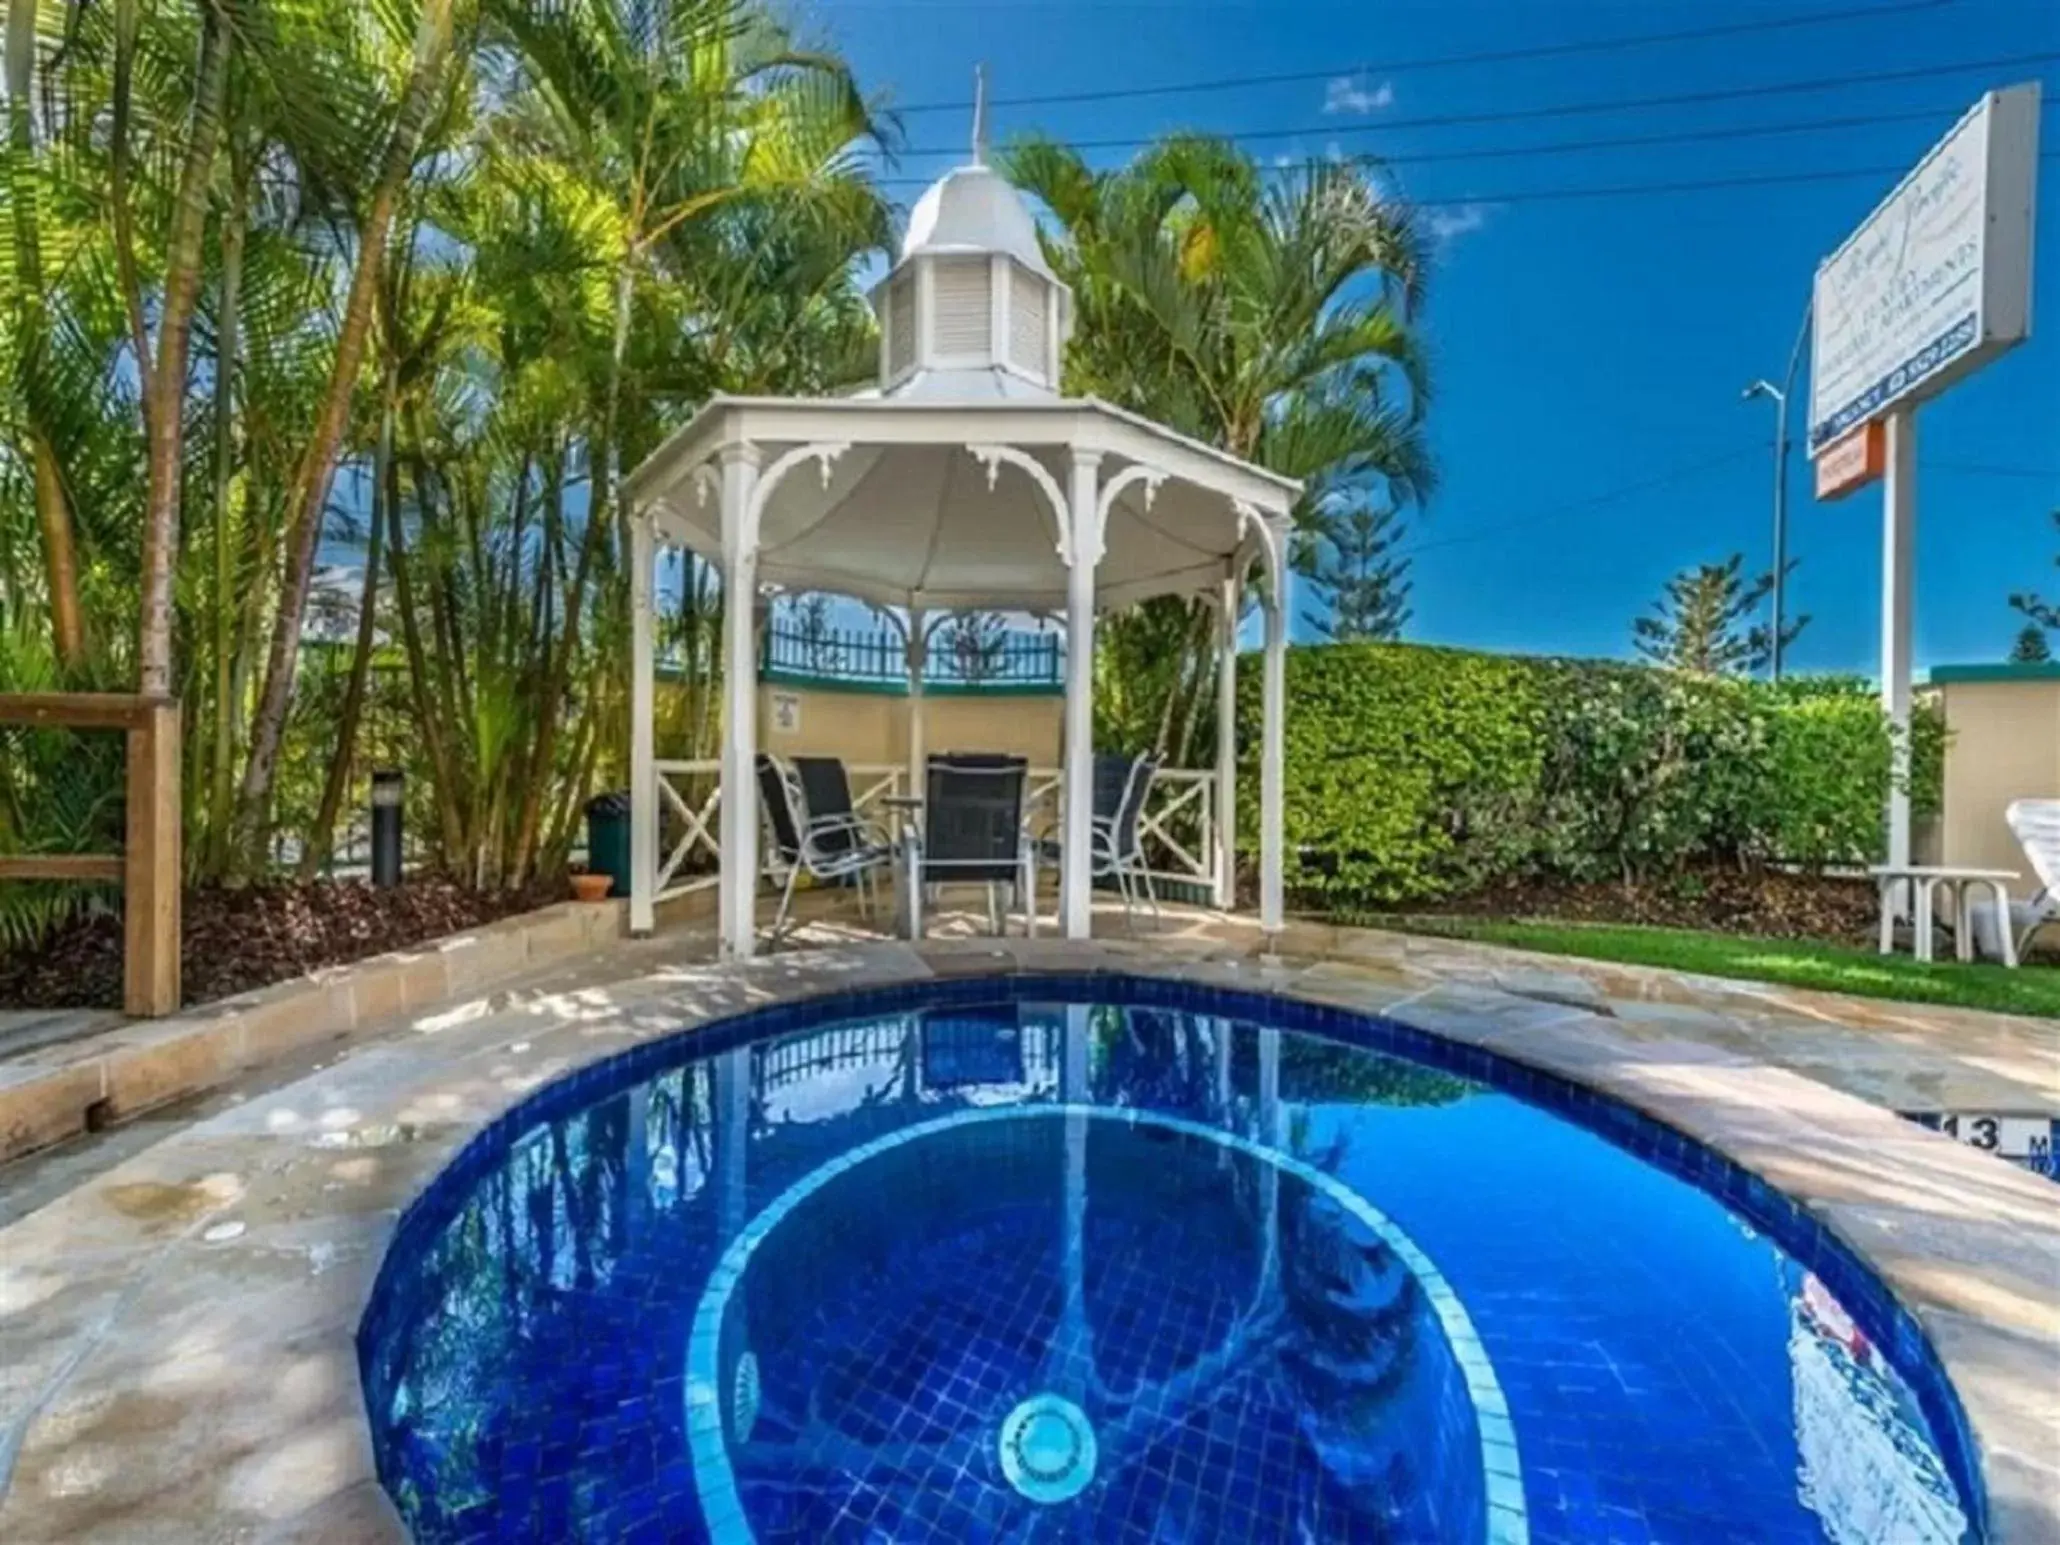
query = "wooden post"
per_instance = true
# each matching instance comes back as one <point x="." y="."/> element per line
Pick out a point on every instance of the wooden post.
<point x="152" y="864"/>
<point x="150" y="867"/>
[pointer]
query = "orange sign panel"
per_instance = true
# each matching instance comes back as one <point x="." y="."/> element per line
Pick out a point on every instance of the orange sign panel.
<point x="1852" y="461"/>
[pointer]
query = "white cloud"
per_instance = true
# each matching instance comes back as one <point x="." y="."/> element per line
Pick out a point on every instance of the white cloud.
<point x="1448" y="222"/>
<point x="1352" y="94"/>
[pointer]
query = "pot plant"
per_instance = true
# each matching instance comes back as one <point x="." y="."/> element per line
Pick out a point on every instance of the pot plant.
<point x="587" y="886"/>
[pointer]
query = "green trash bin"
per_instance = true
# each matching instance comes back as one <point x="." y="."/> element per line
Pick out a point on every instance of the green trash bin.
<point x="608" y="840"/>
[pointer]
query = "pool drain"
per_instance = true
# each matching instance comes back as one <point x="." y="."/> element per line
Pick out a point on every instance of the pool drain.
<point x="1047" y="1449"/>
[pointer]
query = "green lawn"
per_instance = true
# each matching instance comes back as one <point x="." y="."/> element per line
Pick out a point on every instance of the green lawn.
<point x="1829" y="968"/>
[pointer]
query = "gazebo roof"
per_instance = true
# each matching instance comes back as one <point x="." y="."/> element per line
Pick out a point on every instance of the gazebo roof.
<point x="934" y="503"/>
<point x="948" y="484"/>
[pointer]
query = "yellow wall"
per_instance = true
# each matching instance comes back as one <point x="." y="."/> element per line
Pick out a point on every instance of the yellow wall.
<point x="872" y="728"/>
<point x="2003" y="743"/>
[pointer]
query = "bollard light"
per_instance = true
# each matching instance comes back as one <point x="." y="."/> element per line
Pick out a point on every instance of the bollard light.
<point x="386" y="827"/>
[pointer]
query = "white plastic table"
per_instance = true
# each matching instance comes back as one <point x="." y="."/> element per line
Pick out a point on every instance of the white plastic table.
<point x="1924" y="881"/>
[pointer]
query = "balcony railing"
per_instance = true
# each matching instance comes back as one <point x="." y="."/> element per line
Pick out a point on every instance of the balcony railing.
<point x="1000" y="662"/>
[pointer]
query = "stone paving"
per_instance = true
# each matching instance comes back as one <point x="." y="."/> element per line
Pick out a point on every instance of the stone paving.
<point x="176" y="1356"/>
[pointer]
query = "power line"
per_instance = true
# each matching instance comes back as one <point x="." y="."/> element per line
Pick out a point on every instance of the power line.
<point x="1673" y="137"/>
<point x="1977" y="469"/>
<point x="1645" y="189"/>
<point x="1574" y="109"/>
<point x="1438" y="61"/>
<point x="1618" y="142"/>
<point x="1652" y="484"/>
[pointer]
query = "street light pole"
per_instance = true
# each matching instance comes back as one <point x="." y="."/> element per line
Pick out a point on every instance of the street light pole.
<point x="1780" y="399"/>
<point x="1780" y="395"/>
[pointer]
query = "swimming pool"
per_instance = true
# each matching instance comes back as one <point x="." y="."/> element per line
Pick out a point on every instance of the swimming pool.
<point x="1038" y="1259"/>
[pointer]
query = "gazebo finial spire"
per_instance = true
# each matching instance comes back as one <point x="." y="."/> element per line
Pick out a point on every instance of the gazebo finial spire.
<point x="979" y="114"/>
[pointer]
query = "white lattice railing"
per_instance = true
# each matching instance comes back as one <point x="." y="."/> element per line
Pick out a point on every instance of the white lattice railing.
<point x="692" y="793"/>
<point x="872" y="782"/>
<point x="1178" y="826"/>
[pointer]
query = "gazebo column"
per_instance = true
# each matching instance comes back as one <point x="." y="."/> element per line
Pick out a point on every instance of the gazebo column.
<point x="918" y="658"/>
<point x="738" y="884"/>
<point x="643" y="730"/>
<point x="1083" y="553"/>
<point x="1273" y="757"/>
<point x="1226" y="744"/>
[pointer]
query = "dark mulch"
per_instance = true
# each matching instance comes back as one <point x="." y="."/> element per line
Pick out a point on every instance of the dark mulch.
<point x="240" y="939"/>
<point x="1765" y="904"/>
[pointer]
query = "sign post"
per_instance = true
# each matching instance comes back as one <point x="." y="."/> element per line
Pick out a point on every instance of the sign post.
<point x="1934" y="284"/>
<point x="1898" y="553"/>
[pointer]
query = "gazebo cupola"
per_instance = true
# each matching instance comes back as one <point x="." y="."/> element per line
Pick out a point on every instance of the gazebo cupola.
<point x="971" y="310"/>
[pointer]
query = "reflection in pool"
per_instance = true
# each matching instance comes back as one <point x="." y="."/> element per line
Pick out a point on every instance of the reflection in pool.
<point x="1023" y="1270"/>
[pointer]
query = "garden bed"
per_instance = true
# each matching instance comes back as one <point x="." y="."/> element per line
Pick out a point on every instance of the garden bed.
<point x="237" y="940"/>
<point x="1765" y="903"/>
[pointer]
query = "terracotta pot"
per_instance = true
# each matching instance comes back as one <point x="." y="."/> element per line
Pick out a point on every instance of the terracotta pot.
<point x="592" y="887"/>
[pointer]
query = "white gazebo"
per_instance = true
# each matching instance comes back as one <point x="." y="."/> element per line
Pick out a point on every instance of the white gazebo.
<point x="963" y="480"/>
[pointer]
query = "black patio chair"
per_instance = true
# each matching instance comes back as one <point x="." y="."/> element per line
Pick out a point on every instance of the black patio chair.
<point x="973" y="826"/>
<point x="815" y="831"/>
<point x="1115" y="829"/>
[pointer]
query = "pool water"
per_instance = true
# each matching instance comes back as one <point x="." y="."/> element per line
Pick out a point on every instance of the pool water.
<point x="1032" y="1260"/>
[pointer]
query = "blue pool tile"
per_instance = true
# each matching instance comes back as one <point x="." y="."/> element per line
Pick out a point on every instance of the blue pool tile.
<point x="1647" y="1366"/>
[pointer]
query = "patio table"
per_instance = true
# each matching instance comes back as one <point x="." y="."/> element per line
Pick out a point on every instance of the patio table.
<point x="1924" y="881"/>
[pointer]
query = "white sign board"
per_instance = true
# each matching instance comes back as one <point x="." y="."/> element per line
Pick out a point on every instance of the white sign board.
<point x="786" y="713"/>
<point x="1937" y="281"/>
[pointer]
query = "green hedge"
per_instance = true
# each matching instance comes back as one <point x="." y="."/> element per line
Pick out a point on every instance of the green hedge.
<point x="1416" y="773"/>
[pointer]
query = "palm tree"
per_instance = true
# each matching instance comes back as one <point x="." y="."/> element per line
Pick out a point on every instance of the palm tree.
<point x="308" y="501"/>
<point x="164" y="392"/>
<point x="27" y="314"/>
<point x="1269" y="315"/>
<point x="285" y="283"/>
<point x="673" y="115"/>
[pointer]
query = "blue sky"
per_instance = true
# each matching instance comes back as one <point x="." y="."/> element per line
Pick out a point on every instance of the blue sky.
<point x="1585" y="347"/>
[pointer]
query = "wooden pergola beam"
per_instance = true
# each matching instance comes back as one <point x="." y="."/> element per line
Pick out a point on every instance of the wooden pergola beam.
<point x="61" y="866"/>
<point x="78" y="710"/>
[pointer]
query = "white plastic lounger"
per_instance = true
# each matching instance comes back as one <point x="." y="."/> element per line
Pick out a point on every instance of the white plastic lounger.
<point x="2036" y="825"/>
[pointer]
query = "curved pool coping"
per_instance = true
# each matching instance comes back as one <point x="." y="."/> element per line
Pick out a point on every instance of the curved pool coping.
<point x="179" y="1332"/>
<point x="1650" y="1138"/>
<point x="1505" y="1519"/>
